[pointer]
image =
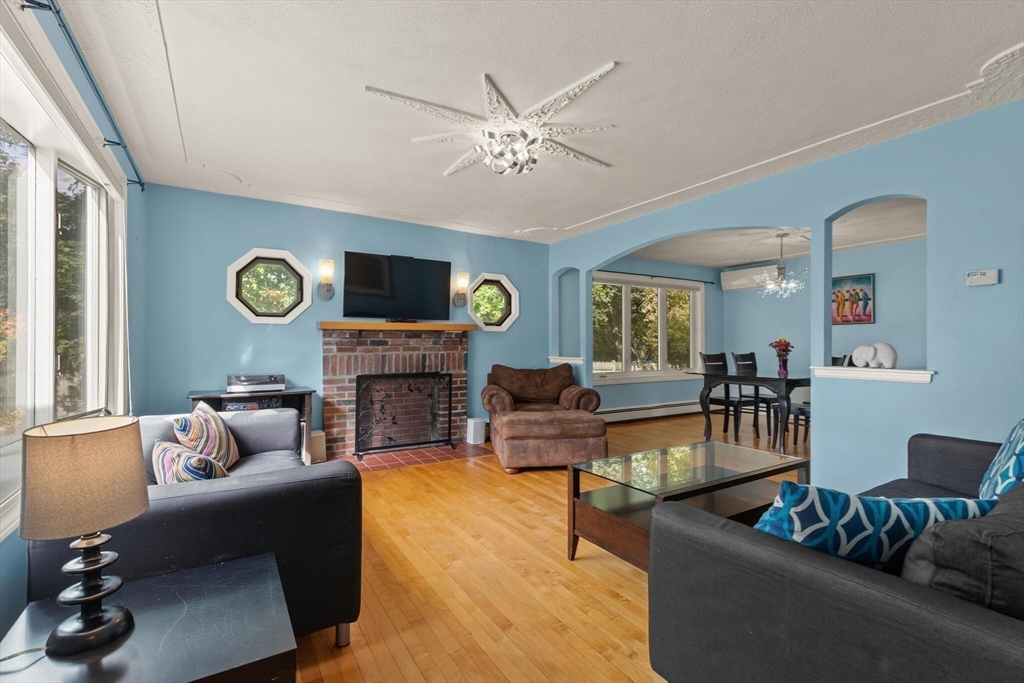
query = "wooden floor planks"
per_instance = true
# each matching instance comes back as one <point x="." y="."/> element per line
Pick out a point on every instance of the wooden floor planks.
<point x="465" y="578"/>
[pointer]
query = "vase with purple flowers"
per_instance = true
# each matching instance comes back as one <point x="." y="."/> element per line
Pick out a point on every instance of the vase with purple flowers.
<point x="782" y="350"/>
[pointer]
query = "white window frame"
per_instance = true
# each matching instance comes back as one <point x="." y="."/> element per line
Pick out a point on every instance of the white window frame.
<point x="697" y="328"/>
<point x="283" y="255"/>
<point x="513" y="302"/>
<point x="40" y="101"/>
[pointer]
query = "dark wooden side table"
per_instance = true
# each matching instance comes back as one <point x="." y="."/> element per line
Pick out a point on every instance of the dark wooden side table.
<point x="222" y="622"/>
<point x="300" y="398"/>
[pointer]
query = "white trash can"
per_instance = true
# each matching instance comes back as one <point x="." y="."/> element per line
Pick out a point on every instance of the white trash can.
<point x="476" y="430"/>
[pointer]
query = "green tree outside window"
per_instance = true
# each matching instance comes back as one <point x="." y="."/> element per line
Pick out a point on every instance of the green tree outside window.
<point x="269" y="287"/>
<point x="491" y="302"/>
<point x="607" y="312"/>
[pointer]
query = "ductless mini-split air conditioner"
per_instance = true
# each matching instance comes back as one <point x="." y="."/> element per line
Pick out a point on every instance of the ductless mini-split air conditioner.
<point x="746" y="278"/>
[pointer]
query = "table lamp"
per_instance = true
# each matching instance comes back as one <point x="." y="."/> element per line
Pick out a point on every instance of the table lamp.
<point x="78" y="478"/>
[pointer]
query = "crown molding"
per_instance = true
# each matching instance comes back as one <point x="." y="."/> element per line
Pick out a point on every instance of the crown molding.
<point x="1001" y="82"/>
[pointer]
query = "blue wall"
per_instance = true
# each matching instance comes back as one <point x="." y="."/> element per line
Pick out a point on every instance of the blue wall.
<point x="655" y="393"/>
<point x="568" y="314"/>
<point x="14" y="585"/>
<point x="138" y="360"/>
<point x="194" y="337"/>
<point x="751" y="321"/>
<point x="970" y="171"/>
<point x="901" y="298"/>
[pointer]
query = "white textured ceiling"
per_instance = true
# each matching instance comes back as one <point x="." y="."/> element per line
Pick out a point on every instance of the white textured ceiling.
<point x="266" y="99"/>
<point x="883" y="222"/>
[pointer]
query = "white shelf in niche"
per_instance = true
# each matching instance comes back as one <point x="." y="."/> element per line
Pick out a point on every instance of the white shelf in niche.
<point x="874" y="374"/>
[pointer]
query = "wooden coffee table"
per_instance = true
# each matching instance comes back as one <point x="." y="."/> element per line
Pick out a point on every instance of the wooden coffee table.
<point x="723" y="479"/>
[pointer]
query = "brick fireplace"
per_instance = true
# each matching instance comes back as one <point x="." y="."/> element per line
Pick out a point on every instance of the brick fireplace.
<point x="354" y="349"/>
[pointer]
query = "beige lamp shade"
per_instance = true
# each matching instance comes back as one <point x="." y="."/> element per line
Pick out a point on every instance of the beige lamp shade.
<point x="81" y="476"/>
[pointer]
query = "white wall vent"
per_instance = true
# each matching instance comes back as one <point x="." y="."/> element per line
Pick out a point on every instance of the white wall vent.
<point x="744" y="279"/>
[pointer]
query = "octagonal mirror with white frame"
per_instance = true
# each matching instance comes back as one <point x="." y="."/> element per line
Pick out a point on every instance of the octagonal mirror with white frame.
<point x="493" y="302"/>
<point x="269" y="286"/>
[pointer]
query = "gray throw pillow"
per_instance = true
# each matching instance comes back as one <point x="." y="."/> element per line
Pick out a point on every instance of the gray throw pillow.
<point x="980" y="560"/>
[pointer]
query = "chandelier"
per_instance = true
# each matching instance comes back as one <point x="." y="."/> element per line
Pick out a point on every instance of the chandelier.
<point x="781" y="286"/>
<point x="507" y="153"/>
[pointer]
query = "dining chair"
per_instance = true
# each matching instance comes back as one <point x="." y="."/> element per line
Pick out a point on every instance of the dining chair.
<point x="716" y="364"/>
<point x="797" y="411"/>
<point x="746" y="364"/>
<point x="802" y="410"/>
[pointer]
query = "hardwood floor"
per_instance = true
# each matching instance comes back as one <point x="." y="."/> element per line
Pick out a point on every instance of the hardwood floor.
<point x="465" y="578"/>
<point x="632" y="437"/>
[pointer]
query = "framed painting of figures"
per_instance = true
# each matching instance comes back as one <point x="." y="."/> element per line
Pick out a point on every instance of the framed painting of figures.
<point x="853" y="300"/>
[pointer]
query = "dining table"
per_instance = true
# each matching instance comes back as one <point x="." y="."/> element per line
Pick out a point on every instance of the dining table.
<point x="782" y="387"/>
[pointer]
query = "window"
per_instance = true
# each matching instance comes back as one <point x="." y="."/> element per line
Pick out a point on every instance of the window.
<point x="645" y="328"/>
<point x="607" y="327"/>
<point x="494" y="302"/>
<point x="77" y="292"/>
<point x="269" y="286"/>
<point x="491" y="302"/>
<point x="63" y="331"/>
<point x="16" y="410"/>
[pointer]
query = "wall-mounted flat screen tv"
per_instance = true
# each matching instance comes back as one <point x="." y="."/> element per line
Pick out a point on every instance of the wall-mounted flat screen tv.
<point x="378" y="286"/>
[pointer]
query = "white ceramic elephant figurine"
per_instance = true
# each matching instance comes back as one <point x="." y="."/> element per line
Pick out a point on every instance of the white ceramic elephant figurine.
<point x="881" y="355"/>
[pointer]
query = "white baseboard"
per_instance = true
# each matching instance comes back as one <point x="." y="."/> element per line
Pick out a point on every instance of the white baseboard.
<point x="646" y="412"/>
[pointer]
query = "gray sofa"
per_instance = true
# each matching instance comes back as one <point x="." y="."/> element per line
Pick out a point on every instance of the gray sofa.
<point x="310" y="517"/>
<point x="728" y="603"/>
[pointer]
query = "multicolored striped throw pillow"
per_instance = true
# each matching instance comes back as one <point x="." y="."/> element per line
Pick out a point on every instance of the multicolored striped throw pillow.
<point x="204" y="432"/>
<point x="176" y="464"/>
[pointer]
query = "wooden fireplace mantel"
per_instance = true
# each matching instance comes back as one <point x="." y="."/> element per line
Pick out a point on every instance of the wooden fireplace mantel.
<point x="408" y="327"/>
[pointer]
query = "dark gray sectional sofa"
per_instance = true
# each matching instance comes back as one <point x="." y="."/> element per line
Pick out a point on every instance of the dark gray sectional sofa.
<point x="728" y="603"/>
<point x="309" y="517"/>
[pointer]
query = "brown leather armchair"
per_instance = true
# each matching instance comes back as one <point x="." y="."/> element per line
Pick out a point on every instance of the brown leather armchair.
<point x="509" y="390"/>
<point x="540" y="418"/>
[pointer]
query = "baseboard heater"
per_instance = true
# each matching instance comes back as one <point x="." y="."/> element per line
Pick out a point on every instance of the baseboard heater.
<point x="628" y="413"/>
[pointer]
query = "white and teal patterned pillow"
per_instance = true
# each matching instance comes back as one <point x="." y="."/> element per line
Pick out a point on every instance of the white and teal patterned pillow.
<point x="1007" y="469"/>
<point x="874" y="532"/>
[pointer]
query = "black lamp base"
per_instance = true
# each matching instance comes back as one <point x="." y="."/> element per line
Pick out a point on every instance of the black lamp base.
<point x="96" y="625"/>
<point x="76" y="635"/>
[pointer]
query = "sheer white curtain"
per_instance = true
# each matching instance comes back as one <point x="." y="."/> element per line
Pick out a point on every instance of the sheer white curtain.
<point x="118" y="376"/>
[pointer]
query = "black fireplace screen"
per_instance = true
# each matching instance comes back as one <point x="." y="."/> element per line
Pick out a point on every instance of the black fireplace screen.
<point x="403" y="410"/>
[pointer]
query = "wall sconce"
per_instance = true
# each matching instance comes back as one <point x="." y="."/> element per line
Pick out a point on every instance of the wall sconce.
<point x="461" y="287"/>
<point x="325" y="289"/>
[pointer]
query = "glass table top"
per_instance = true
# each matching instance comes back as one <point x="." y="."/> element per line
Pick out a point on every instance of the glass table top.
<point x="680" y="468"/>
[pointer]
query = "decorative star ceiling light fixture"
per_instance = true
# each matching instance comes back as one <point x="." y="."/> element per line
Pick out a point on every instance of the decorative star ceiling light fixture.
<point x="507" y="142"/>
<point x="779" y="286"/>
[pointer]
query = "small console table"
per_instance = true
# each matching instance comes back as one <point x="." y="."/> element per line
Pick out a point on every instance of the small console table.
<point x="300" y="398"/>
<point x="222" y="622"/>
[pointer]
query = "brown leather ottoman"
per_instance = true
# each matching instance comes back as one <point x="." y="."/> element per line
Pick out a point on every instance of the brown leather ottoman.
<point x="547" y="438"/>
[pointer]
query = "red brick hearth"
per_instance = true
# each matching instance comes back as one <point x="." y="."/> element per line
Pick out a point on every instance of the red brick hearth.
<point x="348" y="353"/>
<point x="417" y="456"/>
